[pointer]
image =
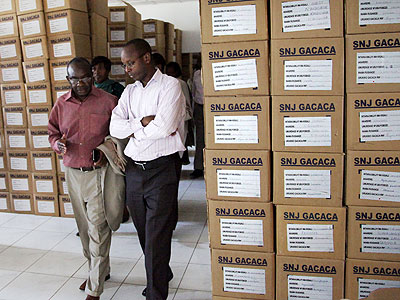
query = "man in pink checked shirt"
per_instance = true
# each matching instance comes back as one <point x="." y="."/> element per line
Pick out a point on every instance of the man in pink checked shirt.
<point x="151" y="113"/>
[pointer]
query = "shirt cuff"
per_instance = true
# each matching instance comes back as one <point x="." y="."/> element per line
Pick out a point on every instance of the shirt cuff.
<point x="139" y="135"/>
<point x="136" y="125"/>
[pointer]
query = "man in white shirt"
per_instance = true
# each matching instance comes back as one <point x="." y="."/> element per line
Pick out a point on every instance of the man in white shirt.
<point x="151" y="113"/>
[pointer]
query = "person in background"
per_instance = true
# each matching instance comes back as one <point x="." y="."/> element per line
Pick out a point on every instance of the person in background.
<point x="173" y="69"/>
<point x="198" y="115"/>
<point x="101" y="67"/>
<point x="159" y="61"/>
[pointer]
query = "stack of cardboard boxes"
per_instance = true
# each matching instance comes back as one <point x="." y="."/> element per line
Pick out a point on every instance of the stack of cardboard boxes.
<point x="169" y="30"/>
<point x="373" y="157"/>
<point x="98" y="14"/>
<point x="178" y="46"/>
<point x="237" y="157"/>
<point x="154" y="33"/>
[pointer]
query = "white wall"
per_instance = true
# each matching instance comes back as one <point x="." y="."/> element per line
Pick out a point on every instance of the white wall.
<point x="184" y="15"/>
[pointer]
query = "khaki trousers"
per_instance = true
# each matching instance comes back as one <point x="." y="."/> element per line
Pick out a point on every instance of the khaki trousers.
<point x="85" y="191"/>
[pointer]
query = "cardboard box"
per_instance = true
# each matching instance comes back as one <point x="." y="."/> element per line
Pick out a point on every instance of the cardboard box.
<point x="169" y="56"/>
<point x="307" y="67"/>
<point x="4" y="182"/>
<point x="121" y="33"/>
<point x="373" y="178"/>
<point x="156" y="41"/>
<point x="178" y="35"/>
<point x="31" y="25"/>
<point x="237" y="122"/>
<point x="114" y="50"/>
<point x="19" y="160"/>
<point x="370" y="17"/>
<point x="38" y="94"/>
<point x="54" y="5"/>
<point x="8" y="26"/>
<point x="11" y="71"/>
<point x="306" y="19"/>
<point x="315" y="232"/>
<point x="372" y="121"/>
<point x="67" y="21"/>
<point x="117" y="71"/>
<point x="314" y="179"/>
<point x="243" y="226"/>
<point x="35" y="48"/>
<point x="10" y="48"/>
<point x="309" y="278"/>
<point x="69" y="45"/>
<point x="243" y="274"/>
<point x="3" y="161"/>
<point x="98" y="34"/>
<point x="60" y="164"/>
<point x="65" y="206"/>
<point x="20" y="182"/>
<point x="169" y="30"/>
<point x="43" y="161"/>
<point x="45" y="183"/>
<point x="373" y="233"/>
<point x="22" y="203"/>
<point x="58" y="70"/>
<point x="138" y="31"/>
<point x="364" y="276"/>
<point x="38" y="116"/>
<point x="36" y="71"/>
<point x="370" y="66"/>
<point x="99" y="7"/>
<point x="5" y="204"/>
<point x="39" y="139"/>
<point x="13" y="94"/>
<point x="62" y="185"/>
<point x="307" y="124"/>
<point x="46" y="205"/>
<point x="121" y="15"/>
<point x="2" y="139"/>
<point x="7" y="7"/>
<point x="28" y="6"/>
<point x="153" y="26"/>
<point x="17" y="139"/>
<point x="241" y="175"/>
<point x="229" y="21"/>
<point x="15" y="117"/>
<point x="237" y="68"/>
<point x="59" y="89"/>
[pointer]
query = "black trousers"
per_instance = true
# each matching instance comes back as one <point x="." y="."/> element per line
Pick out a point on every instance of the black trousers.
<point x="152" y="200"/>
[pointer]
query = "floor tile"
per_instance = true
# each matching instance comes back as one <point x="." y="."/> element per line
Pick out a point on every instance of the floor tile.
<point x="192" y="206"/>
<point x="28" y="222"/>
<point x="201" y="254"/>
<point x="125" y="248"/>
<point x="189" y="228"/>
<point x="197" y="277"/>
<point x="192" y="295"/>
<point x="194" y="195"/>
<point x="57" y="224"/>
<point x="71" y="243"/>
<point x="6" y="276"/>
<point x="181" y="252"/>
<point x="19" y="259"/>
<point x="41" y="240"/>
<point x="5" y="217"/>
<point x="9" y="236"/>
<point x="204" y="235"/>
<point x="126" y="230"/>
<point x="134" y="292"/>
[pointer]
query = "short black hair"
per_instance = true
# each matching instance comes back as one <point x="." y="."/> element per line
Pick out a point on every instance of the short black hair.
<point x="158" y="59"/>
<point x="81" y="62"/>
<point x="176" y="67"/>
<point x="102" y="59"/>
<point x="140" y="45"/>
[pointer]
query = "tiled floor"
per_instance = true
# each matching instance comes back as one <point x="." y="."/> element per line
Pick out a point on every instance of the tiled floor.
<point x="41" y="258"/>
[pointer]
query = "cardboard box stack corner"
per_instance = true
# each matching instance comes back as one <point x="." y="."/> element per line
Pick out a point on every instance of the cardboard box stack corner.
<point x="373" y="149"/>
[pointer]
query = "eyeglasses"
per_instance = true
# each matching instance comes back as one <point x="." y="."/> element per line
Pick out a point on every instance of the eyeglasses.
<point x="76" y="80"/>
<point x="130" y="64"/>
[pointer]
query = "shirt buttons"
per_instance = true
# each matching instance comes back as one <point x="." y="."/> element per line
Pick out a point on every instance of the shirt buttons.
<point x="80" y="144"/>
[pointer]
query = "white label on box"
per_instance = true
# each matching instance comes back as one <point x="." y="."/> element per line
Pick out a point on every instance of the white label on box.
<point x="3" y="184"/>
<point x="30" y="28"/>
<point x="10" y="74"/>
<point x="307" y="183"/>
<point x="60" y="73"/>
<point x="1" y="162"/>
<point x="62" y="167"/>
<point x="307" y="131"/>
<point x="244" y="280"/>
<point x="46" y="207"/>
<point x="379" y="12"/>
<point x="58" y="25"/>
<point x="310" y="238"/>
<point x="152" y="41"/>
<point x="39" y="119"/>
<point x="233" y="20"/>
<point x="367" y="286"/>
<point x="34" y="50"/>
<point x="310" y="287"/>
<point x="8" y="51"/>
<point x="65" y="188"/>
<point x="5" y="5"/>
<point x="380" y="126"/>
<point x="41" y="141"/>
<point x="306" y="15"/>
<point x="149" y="28"/>
<point x="235" y="74"/>
<point x="36" y="74"/>
<point x="59" y="94"/>
<point x="242" y="232"/>
<point x="6" y="28"/>
<point x="117" y="16"/>
<point x="308" y="75"/>
<point x="43" y="164"/>
<point x="37" y="96"/>
<point x="68" y="209"/>
<point x="17" y="141"/>
<point x="380" y="185"/>
<point x="19" y="163"/>
<point x="55" y="3"/>
<point x="20" y="184"/>
<point x="117" y="70"/>
<point x="62" y="49"/>
<point x="22" y="205"/>
<point x="116" y="52"/>
<point x="3" y="203"/>
<point x="239" y="183"/>
<point x="380" y="238"/>
<point x="378" y="67"/>
<point x="117" y="35"/>
<point x="25" y="5"/>
<point x="14" y="119"/>
<point x="44" y="186"/>
<point x="236" y="129"/>
<point x="13" y="97"/>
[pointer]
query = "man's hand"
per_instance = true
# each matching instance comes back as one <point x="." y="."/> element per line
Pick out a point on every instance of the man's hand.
<point x="146" y="120"/>
<point x="102" y="160"/>
<point x="62" y="144"/>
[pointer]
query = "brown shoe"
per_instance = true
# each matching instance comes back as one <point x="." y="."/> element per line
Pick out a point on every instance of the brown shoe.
<point x="82" y="287"/>
<point x="92" y="298"/>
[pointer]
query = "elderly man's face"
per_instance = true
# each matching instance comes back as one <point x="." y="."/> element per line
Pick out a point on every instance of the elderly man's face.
<point x="81" y="80"/>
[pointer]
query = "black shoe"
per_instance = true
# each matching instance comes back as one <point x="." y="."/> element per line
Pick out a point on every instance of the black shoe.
<point x="196" y="174"/>
<point x="145" y="289"/>
<point x="77" y="234"/>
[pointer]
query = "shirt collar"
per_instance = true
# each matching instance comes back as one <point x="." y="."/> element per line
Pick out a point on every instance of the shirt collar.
<point x="156" y="76"/>
<point x="94" y="92"/>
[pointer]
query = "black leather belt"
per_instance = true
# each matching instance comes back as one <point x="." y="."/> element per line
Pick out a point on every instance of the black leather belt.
<point x="87" y="169"/>
<point x="147" y="165"/>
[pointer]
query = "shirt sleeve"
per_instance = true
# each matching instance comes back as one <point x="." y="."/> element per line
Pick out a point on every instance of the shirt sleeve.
<point x="54" y="129"/>
<point x="170" y="113"/>
<point x="121" y="126"/>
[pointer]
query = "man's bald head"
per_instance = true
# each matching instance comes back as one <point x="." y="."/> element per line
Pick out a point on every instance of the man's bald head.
<point x="81" y="64"/>
<point x="140" y="46"/>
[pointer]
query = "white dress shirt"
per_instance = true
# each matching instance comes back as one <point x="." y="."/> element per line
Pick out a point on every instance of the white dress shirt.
<point x="162" y="97"/>
<point x="197" y="88"/>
